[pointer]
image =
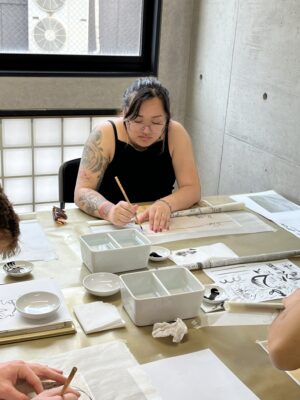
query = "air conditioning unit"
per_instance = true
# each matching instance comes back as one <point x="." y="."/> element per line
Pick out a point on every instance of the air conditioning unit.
<point x="58" y="26"/>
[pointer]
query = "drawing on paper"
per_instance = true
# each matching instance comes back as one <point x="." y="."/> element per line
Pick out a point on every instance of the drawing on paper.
<point x="7" y="308"/>
<point x="274" y="203"/>
<point x="213" y="221"/>
<point x="202" y="253"/>
<point x="258" y="282"/>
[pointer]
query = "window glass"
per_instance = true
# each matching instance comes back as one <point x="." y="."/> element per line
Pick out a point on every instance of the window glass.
<point x="105" y="37"/>
<point x="47" y="131"/>
<point x="17" y="162"/>
<point x="103" y="27"/>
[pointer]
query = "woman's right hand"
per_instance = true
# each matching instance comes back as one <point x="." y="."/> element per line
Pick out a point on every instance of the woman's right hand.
<point x="122" y="213"/>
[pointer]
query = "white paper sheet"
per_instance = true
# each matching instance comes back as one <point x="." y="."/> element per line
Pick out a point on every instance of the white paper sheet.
<point x="33" y="243"/>
<point x="182" y="228"/>
<point x="198" y="375"/>
<point x="11" y="320"/>
<point x="107" y="371"/>
<point x="275" y="207"/>
<point x="257" y="281"/>
<point x="202" y="253"/>
<point x="98" y="316"/>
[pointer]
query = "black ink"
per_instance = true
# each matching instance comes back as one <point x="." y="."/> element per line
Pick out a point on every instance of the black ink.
<point x="153" y="254"/>
<point x="213" y="294"/>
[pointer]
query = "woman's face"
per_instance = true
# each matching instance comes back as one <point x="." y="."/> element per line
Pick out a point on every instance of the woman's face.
<point x="148" y="127"/>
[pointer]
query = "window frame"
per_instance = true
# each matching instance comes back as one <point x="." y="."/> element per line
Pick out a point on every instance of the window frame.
<point x="94" y="65"/>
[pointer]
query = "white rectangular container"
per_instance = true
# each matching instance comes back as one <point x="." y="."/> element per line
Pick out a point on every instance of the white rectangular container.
<point x="115" y="251"/>
<point x="161" y="295"/>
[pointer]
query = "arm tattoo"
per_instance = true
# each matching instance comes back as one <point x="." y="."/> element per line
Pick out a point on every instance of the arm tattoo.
<point x="93" y="158"/>
<point x="89" y="201"/>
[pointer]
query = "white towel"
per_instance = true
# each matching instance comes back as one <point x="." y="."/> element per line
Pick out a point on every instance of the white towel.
<point x="98" y="316"/>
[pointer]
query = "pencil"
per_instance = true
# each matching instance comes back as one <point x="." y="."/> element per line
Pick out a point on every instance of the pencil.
<point x="126" y="198"/>
<point x="68" y="381"/>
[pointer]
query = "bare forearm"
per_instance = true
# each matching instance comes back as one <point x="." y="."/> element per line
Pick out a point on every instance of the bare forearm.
<point x="284" y="339"/>
<point x="184" y="197"/>
<point x="93" y="203"/>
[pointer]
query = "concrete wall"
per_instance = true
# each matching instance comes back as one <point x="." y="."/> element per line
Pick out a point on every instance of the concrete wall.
<point x="75" y="93"/>
<point x="243" y="101"/>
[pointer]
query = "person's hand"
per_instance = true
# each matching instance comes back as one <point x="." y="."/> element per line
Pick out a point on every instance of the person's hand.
<point x="122" y="213"/>
<point x="11" y="372"/>
<point x="54" y="394"/>
<point x="158" y="215"/>
<point x="292" y="299"/>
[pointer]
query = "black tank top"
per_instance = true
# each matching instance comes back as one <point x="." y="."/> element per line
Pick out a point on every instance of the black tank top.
<point x="145" y="175"/>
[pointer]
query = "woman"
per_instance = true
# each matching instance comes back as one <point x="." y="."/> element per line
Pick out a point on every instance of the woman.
<point x="147" y="151"/>
<point x="284" y="338"/>
<point x="19" y="371"/>
<point x="9" y="227"/>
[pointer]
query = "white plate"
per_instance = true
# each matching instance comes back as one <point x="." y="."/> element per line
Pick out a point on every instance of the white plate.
<point x="18" y="268"/>
<point x="38" y="304"/>
<point x="102" y="283"/>
<point x="214" y="294"/>
<point x="159" y="253"/>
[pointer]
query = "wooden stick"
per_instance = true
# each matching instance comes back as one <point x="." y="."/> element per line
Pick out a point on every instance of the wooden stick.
<point x="122" y="189"/>
<point x="126" y="198"/>
<point x="238" y="307"/>
<point x="68" y="381"/>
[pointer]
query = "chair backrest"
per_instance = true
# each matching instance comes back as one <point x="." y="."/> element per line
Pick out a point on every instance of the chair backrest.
<point x="67" y="176"/>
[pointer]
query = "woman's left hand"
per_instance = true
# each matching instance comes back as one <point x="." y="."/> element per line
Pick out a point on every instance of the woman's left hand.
<point x="55" y="394"/>
<point x="158" y="215"/>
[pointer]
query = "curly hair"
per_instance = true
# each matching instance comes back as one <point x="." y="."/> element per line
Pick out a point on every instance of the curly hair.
<point x="9" y="227"/>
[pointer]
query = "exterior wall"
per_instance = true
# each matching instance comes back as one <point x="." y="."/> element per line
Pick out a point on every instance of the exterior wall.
<point x="243" y="114"/>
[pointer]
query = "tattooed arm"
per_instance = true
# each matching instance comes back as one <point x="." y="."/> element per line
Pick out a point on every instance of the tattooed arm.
<point x="97" y="153"/>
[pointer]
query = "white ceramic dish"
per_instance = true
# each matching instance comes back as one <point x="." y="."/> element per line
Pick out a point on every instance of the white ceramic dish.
<point x="158" y="253"/>
<point x="39" y="304"/>
<point x="115" y="251"/>
<point x="18" y="269"/>
<point x="214" y="294"/>
<point x="102" y="284"/>
<point x="161" y="295"/>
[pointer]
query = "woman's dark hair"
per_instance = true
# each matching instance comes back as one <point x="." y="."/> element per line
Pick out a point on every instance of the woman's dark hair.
<point x="9" y="225"/>
<point x="144" y="89"/>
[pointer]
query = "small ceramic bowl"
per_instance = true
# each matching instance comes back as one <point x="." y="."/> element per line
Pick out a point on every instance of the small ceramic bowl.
<point x="214" y="294"/>
<point x="158" y="253"/>
<point x="39" y="304"/>
<point x="102" y="284"/>
<point x="18" y="269"/>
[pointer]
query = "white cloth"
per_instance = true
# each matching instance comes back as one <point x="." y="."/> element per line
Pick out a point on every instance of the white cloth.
<point x="98" y="316"/>
<point x="176" y="329"/>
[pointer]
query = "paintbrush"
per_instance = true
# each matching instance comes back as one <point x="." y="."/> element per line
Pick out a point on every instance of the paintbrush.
<point x="126" y="198"/>
<point x="68" y="381"/>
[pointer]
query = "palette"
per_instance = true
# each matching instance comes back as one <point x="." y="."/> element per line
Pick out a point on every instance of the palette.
<point x="161" y="295"/>
<point x="17" y="269"/>
<point x="115" y="251"/>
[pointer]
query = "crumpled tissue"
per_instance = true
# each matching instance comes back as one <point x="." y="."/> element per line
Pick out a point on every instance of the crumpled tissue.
<point x="176" y="329"/>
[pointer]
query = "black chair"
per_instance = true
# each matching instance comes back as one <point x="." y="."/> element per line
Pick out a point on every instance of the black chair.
<point x="67" y="176"/>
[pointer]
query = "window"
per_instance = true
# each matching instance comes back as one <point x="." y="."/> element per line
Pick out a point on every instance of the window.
<point x="79" y="37"/>
<point x="32" y="150"/>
